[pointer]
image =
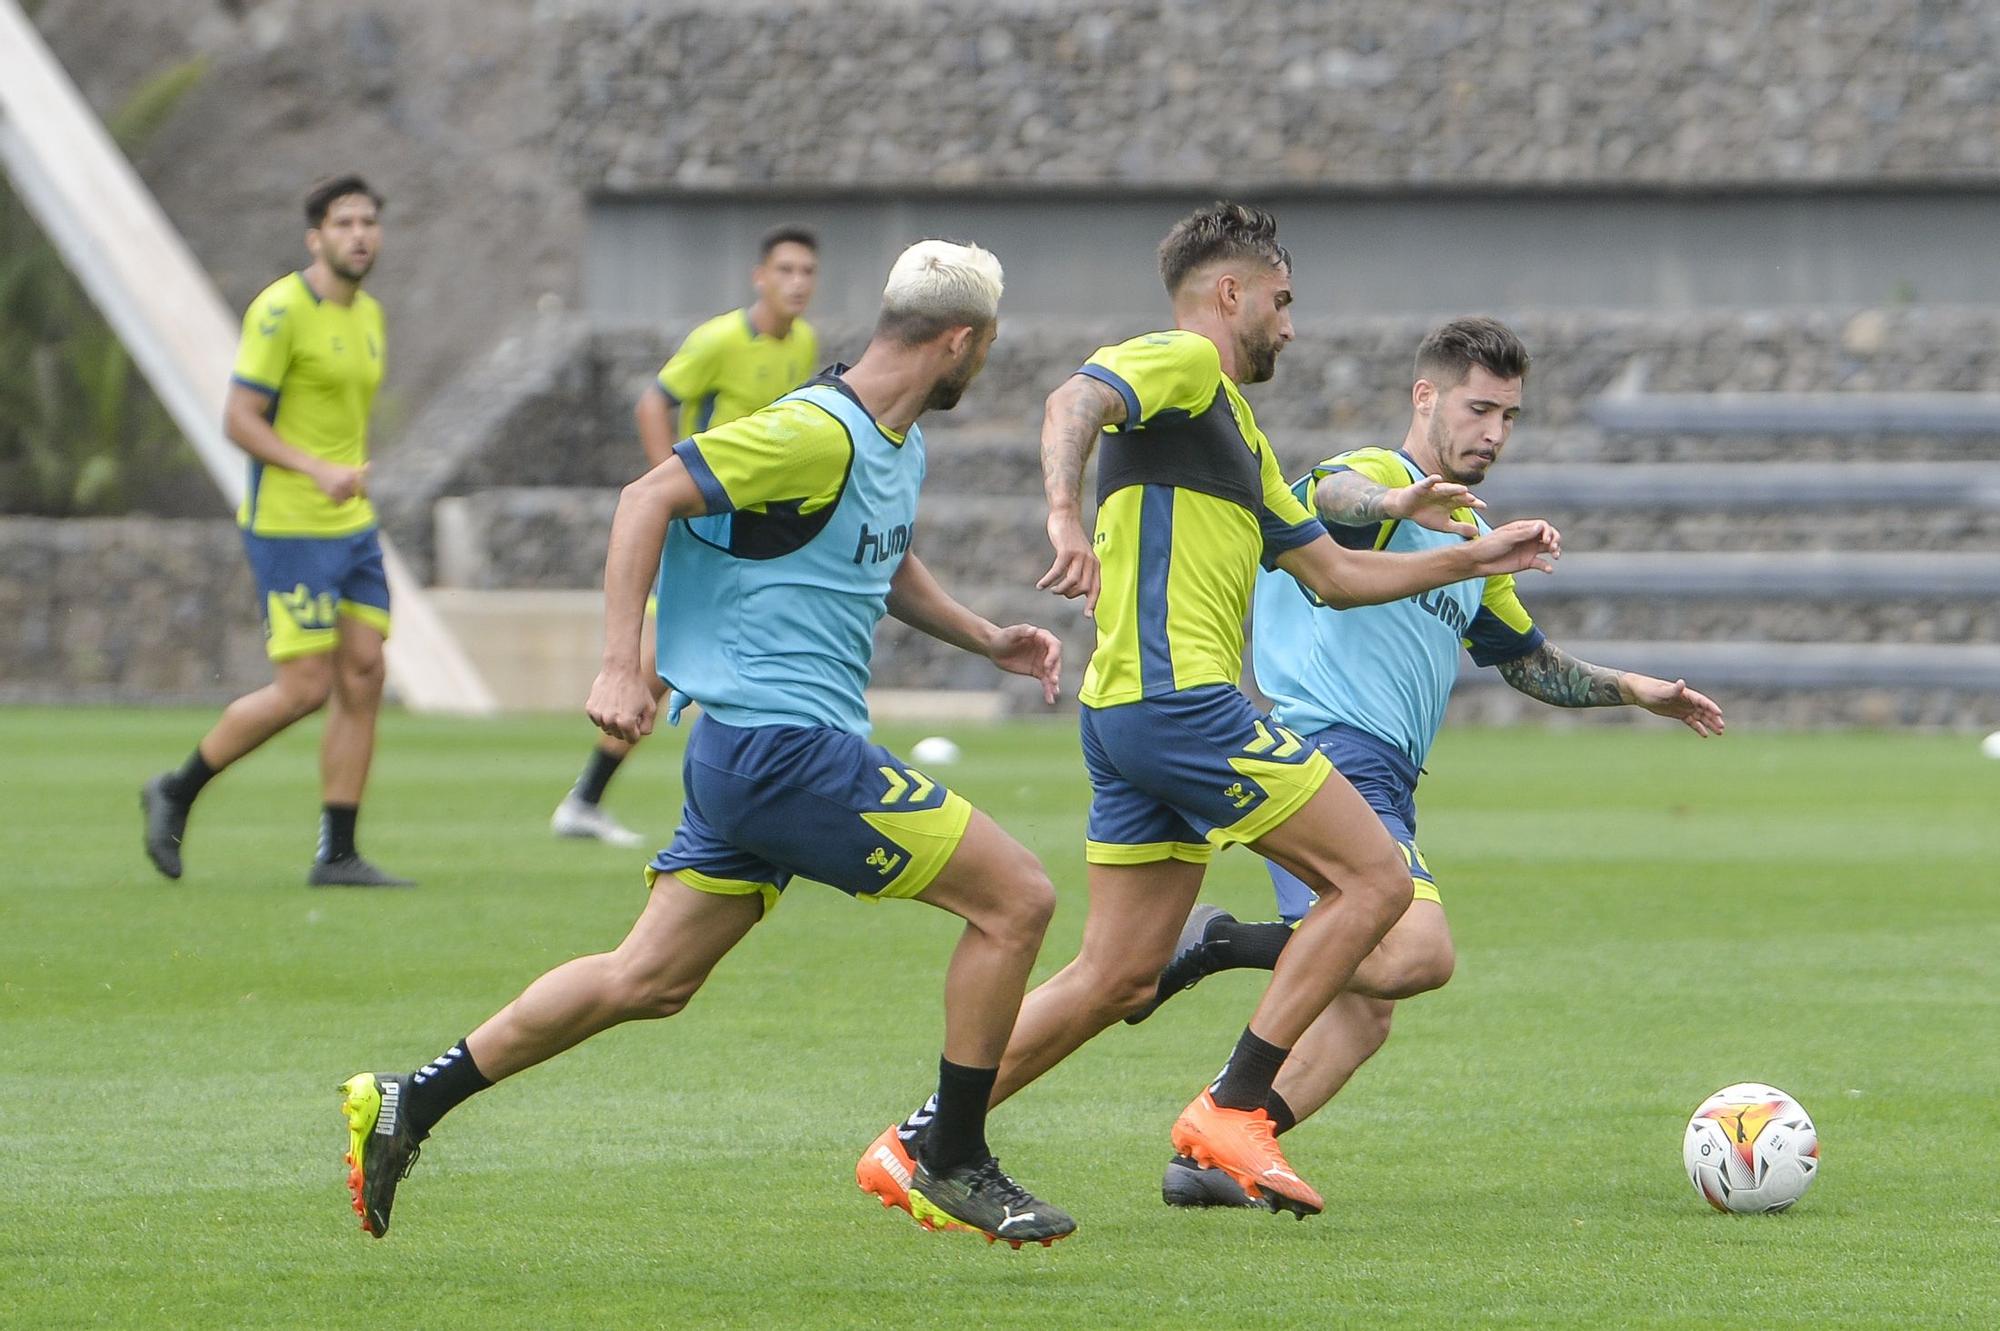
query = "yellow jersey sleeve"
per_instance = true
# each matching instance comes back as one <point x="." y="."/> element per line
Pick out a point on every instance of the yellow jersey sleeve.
<point x="1286" y="523"/>
<point x="1501" y="631"/>
<point x="809" y="342"/>
<point x="264" y="351"/>
<point x="791" y="453"/>
<point x="694" y="370"/>
<point x="1159" y="373"/>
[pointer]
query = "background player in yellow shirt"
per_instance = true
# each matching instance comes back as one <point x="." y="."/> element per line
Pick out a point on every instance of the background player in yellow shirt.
<point x="306" y="372"/>
<point x="728" y="367"/>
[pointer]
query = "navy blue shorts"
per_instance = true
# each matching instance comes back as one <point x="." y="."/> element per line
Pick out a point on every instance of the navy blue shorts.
<point x="1385" y="777"/>
<point x="767" y="803"/>
<point x="306" y="583"/>
<point x="1174" y="777"/>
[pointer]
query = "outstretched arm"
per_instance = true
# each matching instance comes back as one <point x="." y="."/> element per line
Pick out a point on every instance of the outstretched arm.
<point x="919" y="600"/>
<point x="1074" y="416"/>
<point x="1555" y="677"/>
<point x="1351" y="499"/>
<point x="1347" y="578"/>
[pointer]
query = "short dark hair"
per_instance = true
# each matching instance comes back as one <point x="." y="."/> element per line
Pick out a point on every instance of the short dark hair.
<point x="1224" y="230"/>
<point x="1449" y="351"/>
<point x="321" y="196"/>
<point x="789" y="234"/>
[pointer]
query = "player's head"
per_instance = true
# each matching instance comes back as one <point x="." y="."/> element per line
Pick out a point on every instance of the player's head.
<point x="1470" y="373"/>
<point x="943" y="299"/>
<point x="1224" y="263"/>
<point x="787" y="269"/>
<point x="344" y="225"/>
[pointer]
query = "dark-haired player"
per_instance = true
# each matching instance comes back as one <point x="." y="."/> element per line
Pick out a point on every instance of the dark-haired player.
<point x="726" y="368"/>
<point x="1190" y="503"/>
<point x="306" y="371"/>
<point x="1368" y="687"/>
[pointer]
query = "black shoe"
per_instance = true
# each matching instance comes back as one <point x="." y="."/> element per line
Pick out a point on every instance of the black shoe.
<point x="352" y="871"/>
<point x="1188" y="964"/>
<point x="980" y="1196"/>
<point x="1188" y="1184"/>
<point x="166" y="825"/>
<point x="382" y="1146"/>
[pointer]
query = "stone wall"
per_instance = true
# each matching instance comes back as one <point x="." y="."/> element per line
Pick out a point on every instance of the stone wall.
<point x="1374" y="94"/>
<point x="126" y="609"/>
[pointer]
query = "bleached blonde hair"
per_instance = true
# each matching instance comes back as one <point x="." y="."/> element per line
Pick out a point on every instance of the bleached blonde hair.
<point x="937" y="285"/>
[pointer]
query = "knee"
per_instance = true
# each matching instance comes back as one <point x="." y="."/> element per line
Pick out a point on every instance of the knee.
<point x="644" y="996"/>
<point x="305" y="691"/>
<point x="1419" y="970"/>
<point x="361" y="679"/>
<point x="1118" y="990"/>
<point x="1024" y="911"/>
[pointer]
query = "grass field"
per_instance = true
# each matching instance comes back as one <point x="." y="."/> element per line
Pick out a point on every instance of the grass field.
<point x="1641" y="918"/>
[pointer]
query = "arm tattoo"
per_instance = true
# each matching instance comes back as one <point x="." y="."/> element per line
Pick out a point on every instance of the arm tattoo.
<point x="1554" y="676"/>
<point x="1070" y="427"/>
<point x="1350" y="499"/>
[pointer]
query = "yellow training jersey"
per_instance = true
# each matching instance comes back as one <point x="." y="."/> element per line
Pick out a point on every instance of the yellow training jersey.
<point x="320" y="362"/>
<point x="727" y="369"/>
<point x="1190" y="503"/>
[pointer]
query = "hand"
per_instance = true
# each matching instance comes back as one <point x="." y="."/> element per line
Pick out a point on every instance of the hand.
<point x="622" y="704"/>
<point x="1430" y="502"/>
<point x="1075" y="572"/>
<point x="341" y="484"/>
<point x="1023" y="649"/>
<point x="1696" y="711"/>
<point x="1516" y="548"/>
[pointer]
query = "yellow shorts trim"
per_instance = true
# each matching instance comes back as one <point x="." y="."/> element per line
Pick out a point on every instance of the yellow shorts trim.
<point x="721" y="887"/>
<point x="374" y="616"/>
<point x="1287" y="787"/>
<point x="1423" y="891"/>
<point x="1149" y="852"/>
<point x="928" y="836"/>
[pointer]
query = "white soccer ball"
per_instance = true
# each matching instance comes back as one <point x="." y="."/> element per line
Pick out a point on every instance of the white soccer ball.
<point x="1751" y="1148"/>
<point x="935" y="751"/>
<point x="1990" y="746"/>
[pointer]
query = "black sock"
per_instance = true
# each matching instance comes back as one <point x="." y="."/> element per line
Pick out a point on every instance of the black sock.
<point x="1280" y="1112"/>
<point x="957" y="1134"/>
<point x="442" y="1085"/>
<point x="1246" y="1082"/>
<point x="597" y="775"/>
<point x="1244" y="944"/>
<point x="910" y="1128"/>
<point x="336" y="832"/>
<point x="186" y="781"/>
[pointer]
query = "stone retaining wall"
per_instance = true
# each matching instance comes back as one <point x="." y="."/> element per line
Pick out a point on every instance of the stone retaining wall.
<point x="1375" y="94"/>
<point x="126" y="609"/>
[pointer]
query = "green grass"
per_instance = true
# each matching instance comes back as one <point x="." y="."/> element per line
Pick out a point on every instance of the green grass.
<point x="1640" y="918"/>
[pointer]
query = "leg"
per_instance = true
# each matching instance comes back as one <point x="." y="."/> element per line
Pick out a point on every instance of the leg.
<point x="1413" y="958"/>
<point x="672" y="947"/>
<point x="348" y="746"/>
<point x="1000" y="890"/>
<point x="1135" y="916"/>
<point x="1338" y="846"/>
<point x="300" y="688"/>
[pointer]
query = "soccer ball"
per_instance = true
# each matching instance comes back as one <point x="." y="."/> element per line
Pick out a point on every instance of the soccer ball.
<point x="1751" y="1148"/>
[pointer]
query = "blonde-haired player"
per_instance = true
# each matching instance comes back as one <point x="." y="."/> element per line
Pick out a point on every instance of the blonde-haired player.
<point x="792" y="539"/>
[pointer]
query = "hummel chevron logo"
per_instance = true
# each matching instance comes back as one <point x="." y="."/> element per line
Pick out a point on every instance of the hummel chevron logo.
<point x="1008" y="1217"/>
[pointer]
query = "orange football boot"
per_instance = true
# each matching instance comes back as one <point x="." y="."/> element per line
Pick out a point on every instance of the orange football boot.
<point x="1243" y="1144"/>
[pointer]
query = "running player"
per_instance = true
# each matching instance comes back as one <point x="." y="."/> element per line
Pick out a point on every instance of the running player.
<point x="791" y="536"/>
<point x="1368" y="688"/>
<point x="1190" y="501"/>
<point x="306" y="373"/>
<point x="728" y="367"/>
